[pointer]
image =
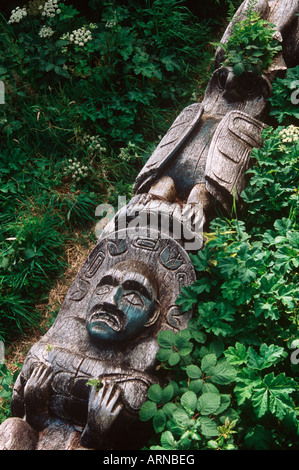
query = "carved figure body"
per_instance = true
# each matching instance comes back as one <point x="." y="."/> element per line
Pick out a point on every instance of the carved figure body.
<point x="106" y="331"/>
<point x="125" y="293"/>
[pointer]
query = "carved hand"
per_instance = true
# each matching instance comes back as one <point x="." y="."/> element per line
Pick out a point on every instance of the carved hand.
<point x="37" y="388"/>
<point x="102" y="413"/>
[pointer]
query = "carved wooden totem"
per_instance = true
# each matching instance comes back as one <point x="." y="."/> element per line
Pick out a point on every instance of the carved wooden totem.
<point x="82" y="384"/>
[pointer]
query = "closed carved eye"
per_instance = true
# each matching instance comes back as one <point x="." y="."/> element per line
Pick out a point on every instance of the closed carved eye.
<point x="133" y="299"/>
<point x="102" y="291"/>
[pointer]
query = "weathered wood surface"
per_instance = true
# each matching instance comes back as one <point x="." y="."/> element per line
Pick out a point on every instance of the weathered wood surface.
<point x="125" y="292"/>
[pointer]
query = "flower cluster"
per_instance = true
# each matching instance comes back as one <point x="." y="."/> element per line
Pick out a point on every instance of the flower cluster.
<point x="128" y="153"/>
<point x="80" y="36"/>
<point x="93" y="142"/>
<point x="290" y="134"/>
<point x="77" y="170"/>
<point x="17" y="15"/>
<point x="46" y="32"/>
<point x="111" y="24"/>
<point x="50" y="8"/>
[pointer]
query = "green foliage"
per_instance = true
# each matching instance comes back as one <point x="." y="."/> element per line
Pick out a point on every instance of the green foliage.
<point x="245" y="322"/>
<point x="85" y="102"/>
<point x="272" y="191"/>
<point x="250" y="304"/>
<point x="251" y="47"/>
<point x="284" y="99"/>
<point x="189" y="412"/>
<point x="7" y="379"/>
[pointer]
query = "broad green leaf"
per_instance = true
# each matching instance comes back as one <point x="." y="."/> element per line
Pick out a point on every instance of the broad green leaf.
<point x="186" y="299"/>
<point x="201" y="285"/>
<point x="147" y="410"/>
<point x="209" y="388"/>
<point x="224" y="404"/>
<point x="182" y="339"/>
<point x="208" y="403"/>
<point x="258" y="438"/>
<point x="196" y="385"/>
<point x="159" y="421"/>
<point x="155" y="393"/>
<point x="260" y="401"/>
<point x="273" y="395"/>
<point x="268" y="355"/>
<point x="193" y="372"/>
<point x="208" y="427"/>
<point x="174" y="358"/>
<point x="247" y="379"/>
<point x="167" y="393"/>
<point x="186" y="350"/>
<point x="208" y="361"/>
<point x="189" y="400"/>
<point x="223" y="373"/>
<point x="200" y="261"/>
<point x="181" y="419"/>
<point x="168" y="441"/>
<point x="169" y="408"/>
<point x="163" y="354"/>
<point x="280" y="383"/>
<point x="236" y="355"/>
<point x="166" y="339"/>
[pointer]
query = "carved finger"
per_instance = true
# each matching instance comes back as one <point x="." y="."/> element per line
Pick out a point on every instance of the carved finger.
<point x="117" y="410"/>
<point x="42" y="374"/>
<point x="106" y="394"/>
<point x="49" y="378"/>
<point x="34" y="375"/>
<point x="95" y="397"/>
<point x="114" y="398"/>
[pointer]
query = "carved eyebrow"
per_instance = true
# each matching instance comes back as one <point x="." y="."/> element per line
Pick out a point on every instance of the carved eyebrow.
<point x="109" y="279"/>
<point x="137" y="286"/>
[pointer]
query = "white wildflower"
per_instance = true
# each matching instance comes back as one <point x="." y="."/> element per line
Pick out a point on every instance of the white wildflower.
<point x="290" y="134"/>
<point x="111" y="24"/>
<point x="17" y="15"/>
<point x="80" y="36"/>
<point x="94" y="143"/>
<point x="51" y="8"/>
<point x="76" y="169"/>
<point x="128" y="153"/>
<point x="46" y="32"/>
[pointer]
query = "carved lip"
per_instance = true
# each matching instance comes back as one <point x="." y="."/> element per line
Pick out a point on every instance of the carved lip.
<point x="100" y="314"/>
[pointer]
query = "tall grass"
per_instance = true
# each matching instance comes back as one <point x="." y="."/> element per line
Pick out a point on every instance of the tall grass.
<point x="78" y="123"/>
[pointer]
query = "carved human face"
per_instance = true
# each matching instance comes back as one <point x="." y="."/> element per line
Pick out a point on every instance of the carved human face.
<point x="122" y="304"/>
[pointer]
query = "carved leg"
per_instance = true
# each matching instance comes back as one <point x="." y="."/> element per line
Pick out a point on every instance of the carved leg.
<point x="164" y="189"/>
<point x="200" y="194"/>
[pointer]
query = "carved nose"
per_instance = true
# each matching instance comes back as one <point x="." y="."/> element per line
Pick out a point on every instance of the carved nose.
<point x="114" y="296"/>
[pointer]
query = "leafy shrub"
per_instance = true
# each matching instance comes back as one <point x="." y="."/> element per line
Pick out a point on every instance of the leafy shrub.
<point x="245" y="322"/>
<point x="190" y="412"/>
<point x="7" y="379"/>
<point x="284" y="100"/>
<point x="85" y="101"/>
<point x="272" y="191"/>
<point x="251" y="47"/>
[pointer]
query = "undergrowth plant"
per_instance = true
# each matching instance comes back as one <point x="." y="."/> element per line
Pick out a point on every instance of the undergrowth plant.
<point x="285" y="98"/>
<point x="252" y="45"/>
<point x="85" y="102"/>
<point x="234" y="372"/>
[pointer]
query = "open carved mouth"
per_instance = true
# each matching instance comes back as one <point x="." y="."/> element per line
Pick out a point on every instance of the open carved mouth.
<point x="101" y="315"/>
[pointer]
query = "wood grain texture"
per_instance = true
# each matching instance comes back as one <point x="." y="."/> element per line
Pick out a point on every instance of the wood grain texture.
<point x="126" y="291"/>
